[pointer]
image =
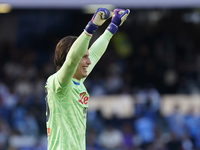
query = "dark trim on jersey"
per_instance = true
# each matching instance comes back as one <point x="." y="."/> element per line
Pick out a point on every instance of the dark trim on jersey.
<point x="76" y="83"/>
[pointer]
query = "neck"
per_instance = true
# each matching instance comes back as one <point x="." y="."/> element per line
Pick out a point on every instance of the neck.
<point x="76" y="77"/>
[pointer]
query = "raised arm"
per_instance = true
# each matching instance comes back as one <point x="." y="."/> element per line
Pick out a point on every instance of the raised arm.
<point x="73" y="57"/>
<point x="99" y="46"/>
<point x="80" y="46"/>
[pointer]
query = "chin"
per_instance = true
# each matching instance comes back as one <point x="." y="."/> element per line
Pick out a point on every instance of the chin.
<point x="83" y="75"/>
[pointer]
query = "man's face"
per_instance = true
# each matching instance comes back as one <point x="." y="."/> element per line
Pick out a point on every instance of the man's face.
<point x="81" y="70"/>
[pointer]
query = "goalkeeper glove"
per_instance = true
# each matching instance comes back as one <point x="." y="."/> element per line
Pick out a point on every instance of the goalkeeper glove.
<point x="119" y="17"/>
<point x="100" y="16"/>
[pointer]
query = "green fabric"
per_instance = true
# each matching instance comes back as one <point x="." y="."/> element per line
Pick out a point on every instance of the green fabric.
<point x="78" y="49"/>
<point x="98" y="48"/>
<point x="67" y="119"/>
<point x="67" y="98"/>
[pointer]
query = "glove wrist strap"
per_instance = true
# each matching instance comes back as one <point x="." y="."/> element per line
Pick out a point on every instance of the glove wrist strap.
<point x="112" y="28"/>
<point x="91" y="28"/>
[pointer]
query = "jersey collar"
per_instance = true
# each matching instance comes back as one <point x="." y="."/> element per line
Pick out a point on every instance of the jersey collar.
<point x="75" y="81"/>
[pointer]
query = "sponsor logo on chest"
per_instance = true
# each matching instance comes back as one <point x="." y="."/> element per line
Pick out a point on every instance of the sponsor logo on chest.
<point x="83" y="98"/>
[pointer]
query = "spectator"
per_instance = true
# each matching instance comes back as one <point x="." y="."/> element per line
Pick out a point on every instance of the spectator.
<point x="145" y="128"/>
<point x="176" y="122"/>
<point x="191" y="123"/>
<point x="148" y="101"/>
<point x="127" y="132"/>
<point x="111" y="138"/>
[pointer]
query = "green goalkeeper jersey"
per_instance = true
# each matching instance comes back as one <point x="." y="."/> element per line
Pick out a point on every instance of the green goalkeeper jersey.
<point x="67" y="114"/>
<point x="67" y="105"/>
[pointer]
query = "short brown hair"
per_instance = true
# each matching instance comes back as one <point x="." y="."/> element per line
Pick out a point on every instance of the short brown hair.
<point x="62" y="48"/>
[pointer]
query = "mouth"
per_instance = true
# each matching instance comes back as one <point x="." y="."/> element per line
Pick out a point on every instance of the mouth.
<point x="85" y="68"/>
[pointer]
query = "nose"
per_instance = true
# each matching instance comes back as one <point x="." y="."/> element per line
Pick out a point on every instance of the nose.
<point x="88" y="61"/>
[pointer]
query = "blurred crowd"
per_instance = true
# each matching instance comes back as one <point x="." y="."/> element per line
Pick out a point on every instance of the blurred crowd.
<point x="147" y="130"/>
<point x="154" y="53"/>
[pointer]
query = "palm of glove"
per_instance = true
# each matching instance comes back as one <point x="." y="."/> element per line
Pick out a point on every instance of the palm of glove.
<point x="101" y="15"/>
<point x="120" y="16"/>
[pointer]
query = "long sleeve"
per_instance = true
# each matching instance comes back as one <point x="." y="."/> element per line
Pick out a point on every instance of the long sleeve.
<point x="76" y="52"/>
<point x="98" y="48"/>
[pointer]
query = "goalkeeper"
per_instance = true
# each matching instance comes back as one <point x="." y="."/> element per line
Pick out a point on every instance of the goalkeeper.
<point x="67" y="98"/>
